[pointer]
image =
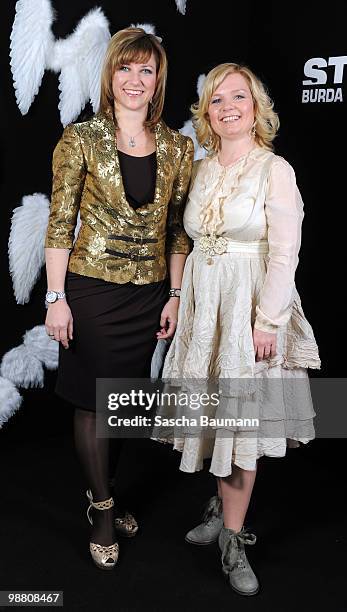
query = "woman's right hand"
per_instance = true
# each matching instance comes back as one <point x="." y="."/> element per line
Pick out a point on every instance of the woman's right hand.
<point x="59" y="322"/>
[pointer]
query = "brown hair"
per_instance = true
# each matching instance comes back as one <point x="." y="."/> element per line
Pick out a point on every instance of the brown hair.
<point x="266" y="120"/>
<point x="134" y="45"/>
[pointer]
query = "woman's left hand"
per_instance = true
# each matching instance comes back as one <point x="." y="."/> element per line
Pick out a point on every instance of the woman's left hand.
<point x="168" y="319"/>
<point x="264" y="344"/>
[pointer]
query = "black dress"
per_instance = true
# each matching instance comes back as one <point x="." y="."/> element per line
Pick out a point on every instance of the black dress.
<point x="114" y="324"/>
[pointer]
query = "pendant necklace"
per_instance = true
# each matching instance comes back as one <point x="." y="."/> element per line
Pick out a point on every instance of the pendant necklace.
<point x="131" y="141"/>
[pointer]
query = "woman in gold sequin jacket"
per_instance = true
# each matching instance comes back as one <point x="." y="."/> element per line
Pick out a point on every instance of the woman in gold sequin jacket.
<point x="109" y="297"/>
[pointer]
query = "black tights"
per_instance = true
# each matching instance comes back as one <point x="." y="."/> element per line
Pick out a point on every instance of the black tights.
<point x="99" y="458"/>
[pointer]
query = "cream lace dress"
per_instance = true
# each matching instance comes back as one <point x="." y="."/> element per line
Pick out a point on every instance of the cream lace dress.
<point x="245" y="221"/>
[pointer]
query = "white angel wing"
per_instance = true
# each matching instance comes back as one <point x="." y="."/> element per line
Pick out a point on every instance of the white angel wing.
<point x="79" y="57"/>
<point x="42" y="347"/>
<point x="200" y="84"/>
<point x="181" y="6"/>
<point x="10" y="400"/>
<point x="26" y="244"/>
<point x="31" y="45"/>
<point x="188" y="129"/>
<point x="94" y="61"/>
<point x="147" y="27"/>
<point x="22" y="368"/>
<point x="158" y="358"/>
<point x="23" y="365"/>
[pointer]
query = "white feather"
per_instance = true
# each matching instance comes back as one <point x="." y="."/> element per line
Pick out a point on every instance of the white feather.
<point x="26" y="244"/>
<point x="22" y="368"/>
<point x="42" y="346"/>
<point x="77" y="228"/>
<point x="31" y="45"/>
<point x="188" y="130"/>
<point x="79" y="58"/>
<point x="181" y="6"/>
<point x="158" y="358"/>
<point x="147" y="27"/>
<point x="200" y="84"/>
<point x="10" y="400"/>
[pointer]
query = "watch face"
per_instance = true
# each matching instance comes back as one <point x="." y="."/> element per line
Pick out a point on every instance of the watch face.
<point x="51" y="297"/>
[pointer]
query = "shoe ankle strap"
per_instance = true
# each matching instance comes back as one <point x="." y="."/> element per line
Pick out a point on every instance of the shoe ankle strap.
<point x="103" y="505"/>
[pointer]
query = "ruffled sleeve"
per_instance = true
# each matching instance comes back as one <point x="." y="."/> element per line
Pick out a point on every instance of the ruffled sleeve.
<point x="284" y="215"/>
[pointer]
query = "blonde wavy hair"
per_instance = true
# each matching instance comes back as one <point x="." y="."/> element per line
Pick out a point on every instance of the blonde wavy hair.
<point x="134" y="45"/>
<point x="266" y="120"/>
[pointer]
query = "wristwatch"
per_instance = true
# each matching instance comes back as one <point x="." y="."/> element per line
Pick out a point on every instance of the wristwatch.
<point x="53" y="296"/>
<point x="175" y="293"/>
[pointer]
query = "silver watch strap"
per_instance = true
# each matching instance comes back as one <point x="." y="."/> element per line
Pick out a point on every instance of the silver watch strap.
<point x="175" y="292"/>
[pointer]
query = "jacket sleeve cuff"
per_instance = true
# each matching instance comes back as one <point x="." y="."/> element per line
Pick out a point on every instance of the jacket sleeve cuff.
<point x="50" y="243"/>
<point x="180" y="243"/>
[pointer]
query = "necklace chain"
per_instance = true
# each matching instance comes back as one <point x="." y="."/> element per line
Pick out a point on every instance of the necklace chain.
<point x="131" y="141"/>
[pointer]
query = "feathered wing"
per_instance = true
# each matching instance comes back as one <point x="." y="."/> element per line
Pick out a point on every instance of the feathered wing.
<point x="10" y="400"/>
<point x="181" y="6"/>
<point x="26" y="244"/>
<point x="31" y="44"/>
<point x="23" y="366"/>
<point x="200" y="84"/>
<point x="41" y="346"/>
<point x="147" y="27"/>
<point x="79" y="58"/>
<point x="188" y="128"/>
<point x="94" y="60"/>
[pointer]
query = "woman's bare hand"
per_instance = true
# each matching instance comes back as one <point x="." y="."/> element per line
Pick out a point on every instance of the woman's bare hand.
<point x="168" y="319"/>
<point x="264" y="344"/>
<point x="59" y="322"/>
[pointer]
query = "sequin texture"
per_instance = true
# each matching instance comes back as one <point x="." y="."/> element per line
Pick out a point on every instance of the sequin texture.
<point x="87" y="178"/>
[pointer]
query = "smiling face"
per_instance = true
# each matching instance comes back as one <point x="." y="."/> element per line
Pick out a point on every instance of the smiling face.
<point x="134" y="84"/>
<point x="231" y="108"/>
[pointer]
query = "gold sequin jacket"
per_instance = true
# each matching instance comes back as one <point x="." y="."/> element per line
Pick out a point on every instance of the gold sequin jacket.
<point x="116" y="242"/>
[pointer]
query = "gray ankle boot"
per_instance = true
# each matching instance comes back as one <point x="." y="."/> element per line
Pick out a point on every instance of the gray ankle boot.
<point x="208" y="531"/>
<point x="235" y="564"/>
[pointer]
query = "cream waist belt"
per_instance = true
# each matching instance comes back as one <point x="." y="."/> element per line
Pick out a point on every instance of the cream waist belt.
<point x="217" y="245"/>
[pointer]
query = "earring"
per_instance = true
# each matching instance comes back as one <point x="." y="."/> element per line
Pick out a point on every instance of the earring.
<point x="253" y="130"/>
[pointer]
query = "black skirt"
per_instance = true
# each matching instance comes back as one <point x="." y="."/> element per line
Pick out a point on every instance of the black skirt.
<point x="114" y="334"/>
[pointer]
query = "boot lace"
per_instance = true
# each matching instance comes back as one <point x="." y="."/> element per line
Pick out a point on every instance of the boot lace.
<point x="213" y="510"/>
<point x="233" y="551"/>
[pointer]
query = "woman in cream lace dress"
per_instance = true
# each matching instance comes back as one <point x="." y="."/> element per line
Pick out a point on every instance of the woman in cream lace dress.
<point x="240" y="319"/>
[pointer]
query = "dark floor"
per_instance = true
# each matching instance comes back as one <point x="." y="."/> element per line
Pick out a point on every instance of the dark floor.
<point x="298" y="514"/>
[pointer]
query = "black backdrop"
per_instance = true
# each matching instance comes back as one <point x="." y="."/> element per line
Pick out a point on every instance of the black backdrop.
<point x="42" y="483"/>
<point x="275" y="40"/>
